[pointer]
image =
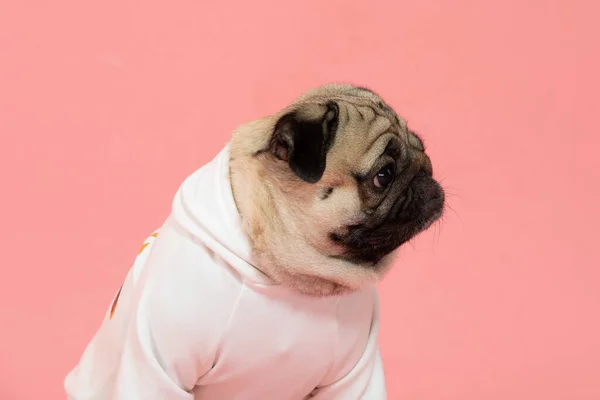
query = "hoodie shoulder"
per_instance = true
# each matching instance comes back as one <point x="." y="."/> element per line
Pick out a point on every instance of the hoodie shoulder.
<point x="187" y="294"/>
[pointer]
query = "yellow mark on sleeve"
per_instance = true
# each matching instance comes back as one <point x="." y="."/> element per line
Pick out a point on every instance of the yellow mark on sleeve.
<point x="143" y="247"/>
<point x="114" y="304"/>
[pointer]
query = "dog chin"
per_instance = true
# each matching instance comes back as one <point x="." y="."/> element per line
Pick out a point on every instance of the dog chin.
<point x="427" y="224"/>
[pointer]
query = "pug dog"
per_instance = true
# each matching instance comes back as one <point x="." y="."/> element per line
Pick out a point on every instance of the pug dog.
<point x="261" y="282"/>
<point x="329" y="187"/>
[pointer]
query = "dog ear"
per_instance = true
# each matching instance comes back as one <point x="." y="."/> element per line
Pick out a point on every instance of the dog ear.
<point x="304" y="136"/>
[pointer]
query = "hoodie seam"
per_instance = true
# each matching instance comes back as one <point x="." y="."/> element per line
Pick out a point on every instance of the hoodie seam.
<point x="229" y="322"/>
<point x="335" y="346"/>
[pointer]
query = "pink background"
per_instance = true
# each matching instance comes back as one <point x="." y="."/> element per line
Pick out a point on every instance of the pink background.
<point x="106" y="106"/>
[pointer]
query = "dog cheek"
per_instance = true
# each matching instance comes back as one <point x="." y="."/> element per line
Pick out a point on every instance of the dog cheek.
<point x="344" y="205"/>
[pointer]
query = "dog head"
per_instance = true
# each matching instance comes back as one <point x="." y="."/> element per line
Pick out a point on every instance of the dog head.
<point x="339" y="175"/>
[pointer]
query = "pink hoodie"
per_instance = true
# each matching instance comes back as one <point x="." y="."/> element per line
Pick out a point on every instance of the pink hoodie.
<point x="195" y="320"/>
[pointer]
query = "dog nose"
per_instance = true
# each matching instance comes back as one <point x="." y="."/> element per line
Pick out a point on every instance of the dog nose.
<point x="429" y="187"/>
<point x="433" y="191"/>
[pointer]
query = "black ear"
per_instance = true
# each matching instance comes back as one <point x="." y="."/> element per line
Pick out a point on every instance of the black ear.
<point x="303" y="138"/>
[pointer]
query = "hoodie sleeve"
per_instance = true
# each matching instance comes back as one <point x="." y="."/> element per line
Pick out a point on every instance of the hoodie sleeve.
<point x="155" y="363"/>
<point x="165" y="331"/>
<point x="173" y="336"/>
<point x="365" y="380"/>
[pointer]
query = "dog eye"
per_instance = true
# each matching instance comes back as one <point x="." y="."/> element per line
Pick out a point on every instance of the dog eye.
<point x="384" y="177"/>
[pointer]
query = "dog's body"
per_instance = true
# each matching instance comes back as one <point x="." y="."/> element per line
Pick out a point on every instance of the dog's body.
<point x="261" y="282"/>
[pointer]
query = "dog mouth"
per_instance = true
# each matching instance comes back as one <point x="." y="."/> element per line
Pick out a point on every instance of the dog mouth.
<point x="415" y="210"/>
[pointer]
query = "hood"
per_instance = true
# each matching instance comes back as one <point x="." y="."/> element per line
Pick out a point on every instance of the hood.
<point x="205" y="208"/>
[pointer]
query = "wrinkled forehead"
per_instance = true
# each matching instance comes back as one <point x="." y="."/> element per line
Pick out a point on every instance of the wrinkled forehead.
<point x="366" y="122"/>
<point x="344" y="92"/>
<point x="360" y="98"/>
<point x="334" y="89"/>
<point x="354" y="96"/>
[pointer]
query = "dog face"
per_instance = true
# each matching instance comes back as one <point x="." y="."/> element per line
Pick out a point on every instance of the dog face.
<point x="341" y="175"/>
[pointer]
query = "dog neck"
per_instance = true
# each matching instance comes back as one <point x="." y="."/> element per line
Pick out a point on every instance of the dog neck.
<point x="280" y="250"/>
